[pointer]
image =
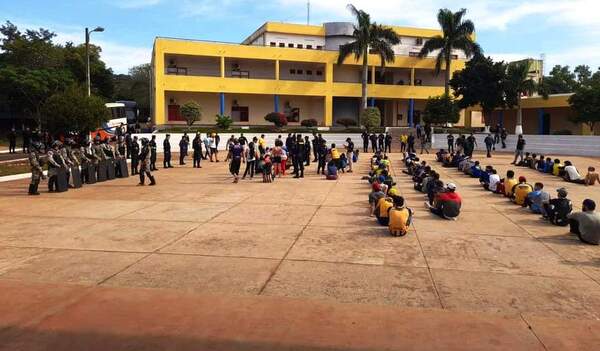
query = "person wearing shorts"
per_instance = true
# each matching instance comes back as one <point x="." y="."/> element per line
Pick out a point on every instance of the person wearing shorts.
<point x="237" y="156"/>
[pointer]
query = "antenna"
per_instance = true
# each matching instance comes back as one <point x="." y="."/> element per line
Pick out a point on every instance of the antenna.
<point x="308" y="12"/>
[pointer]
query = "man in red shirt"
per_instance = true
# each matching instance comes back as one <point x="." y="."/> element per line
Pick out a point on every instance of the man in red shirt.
<point x="447" y="203"/>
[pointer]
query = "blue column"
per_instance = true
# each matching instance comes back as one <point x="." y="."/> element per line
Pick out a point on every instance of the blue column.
<point x="222" y="103"/>
<point x="275" y="103"/>
<point x="372" y="102"/>
<point x="411" y="112"/>
<point x="540" y="121"/>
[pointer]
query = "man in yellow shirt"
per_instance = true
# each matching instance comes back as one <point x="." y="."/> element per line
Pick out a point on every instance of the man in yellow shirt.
<point x="262" y="144"/>
<point x="403" y="142"/>
<point x="400" y="217"/>
<point x="521" y="190"/>
<point x="509" y="182"/>
<point x="382" y="210"/>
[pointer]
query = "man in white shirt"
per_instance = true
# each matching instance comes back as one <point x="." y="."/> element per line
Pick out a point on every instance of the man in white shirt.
<point x="494" y="181"/>
<point x="571" y="174"/>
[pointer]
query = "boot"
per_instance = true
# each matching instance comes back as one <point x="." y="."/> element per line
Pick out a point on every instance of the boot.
<point x="142" y="180"/>
<point x="33" y="189"/>
<point x="152" y="182"/>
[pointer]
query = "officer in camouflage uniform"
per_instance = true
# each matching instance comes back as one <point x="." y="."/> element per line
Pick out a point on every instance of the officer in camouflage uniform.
<point x="55" y="162"/>
<point x="135" y="154"/>
<point x="98" y="150"/>
<point x="107" y="149"/>
<point x="144" y="163"/>
<point x="37" y="172"/>
<point x="66" y="161"/>
<point x="87" y="157"/>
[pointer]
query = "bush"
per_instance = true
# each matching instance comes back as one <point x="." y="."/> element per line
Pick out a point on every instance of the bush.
<point x="311" y="122"/>
<point x="371" y="118"/>
<point x="562" y="132"/>
<point x="346" y="122"/>
<point x="441" y="110"/>
<point x="223" y="121"/>
<point x="277" y="118"/>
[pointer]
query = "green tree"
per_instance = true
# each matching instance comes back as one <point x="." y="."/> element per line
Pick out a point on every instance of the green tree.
<point x="584" y="74"/>
<point x="73" y="111"/>
<point x="191" y="112"/>
<point x="135" y="86"/>
<point x="369" y="37"/>
<point x="481" y="83"/>
<point x="441" y="110"/>
<point x="457" y="34"/>
<point x="586" y="102"/>
<point x="371" y="118"/>
<point x="560" y="80"/>
<point x="101" y="77"/>
<point x="517" y="84"/>
<point x="223" y="121"/>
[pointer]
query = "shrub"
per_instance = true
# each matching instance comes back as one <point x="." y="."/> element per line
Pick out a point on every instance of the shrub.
<point x="346" y="122"/>
<point x="277" y="118"/>
<point x="371" y="118"/>
<point x="223" y="121"/>
<point x="311" y="122"/>
<point x="441" y="110"/>
<point x="191" y="112"/>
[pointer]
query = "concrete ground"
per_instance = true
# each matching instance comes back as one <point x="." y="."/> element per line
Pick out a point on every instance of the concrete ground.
<point x="197" y="263"/>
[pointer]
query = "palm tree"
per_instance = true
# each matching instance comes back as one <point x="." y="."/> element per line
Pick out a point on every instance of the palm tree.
<point x="517" y="84"/>
<point x="369" y="37"/>
<point x="456" y="35"/>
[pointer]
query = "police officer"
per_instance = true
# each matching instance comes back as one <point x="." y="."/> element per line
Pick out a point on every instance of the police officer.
<point x="89" y="158"/>
<point x="197" y="147"/>
<point x="145" y="164"/>
<point x="66" y="161"/>
<point x="388" y="143"/>
<point x="118" y="154"/>
<point x="299" y="157"/>
<point x="12" y="141"/>
<point x="121" y="145"/>
<point x="37" y="172"/>
<point x="54" y="164"/>
<point x="152" y="145"/>
<point x="128" y="142"/>
<point x="183" y="149"/>
<point x="135" y="152"/>
<point x="167" y="152"/>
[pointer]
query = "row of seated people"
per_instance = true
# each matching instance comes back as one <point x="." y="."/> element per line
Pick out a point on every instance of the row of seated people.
<point x="384" y="200"/>
<point x="442" y="199"/>
<point x="558" y="210"/>
<point x="565" y="170"/>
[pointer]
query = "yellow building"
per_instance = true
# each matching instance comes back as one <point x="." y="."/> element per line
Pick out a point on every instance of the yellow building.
<point x="293" y="69"/>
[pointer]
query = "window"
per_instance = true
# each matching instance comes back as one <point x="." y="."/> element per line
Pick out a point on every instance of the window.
<point x="309" y="46"/>
<point x="273" y="43"/>
<point x="319" y="47"/>
<point x="319" y="73"/>
<point x="240" y="113"/>
<point x="308" y="72"/>
<point x="292" y="71"/>
<point x="299" y="46"/>
<point x="290" y="45"/>
<point x="419" y="41"/>
<point x="281" y="45"/>
<point x="299" y="71"/>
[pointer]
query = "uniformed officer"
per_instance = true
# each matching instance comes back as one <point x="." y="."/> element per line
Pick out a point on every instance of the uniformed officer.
<point x="135" y="154"/>
<point x="152" y="146"/>
<point x="167" y="152"/>
<point x="37" y="172"/>
<point x="88" y="158"/>
<point x="54" y="164"/>
<point x="197" y="147"/>
<point x="299" y="157"/>
<point x="144" y="163"/>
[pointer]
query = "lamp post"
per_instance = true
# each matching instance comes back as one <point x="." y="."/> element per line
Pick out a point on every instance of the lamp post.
<point x="87" y="56"/>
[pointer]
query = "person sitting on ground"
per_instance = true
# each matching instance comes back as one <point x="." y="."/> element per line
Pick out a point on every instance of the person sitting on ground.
<point x="475" y="170"/>
<point x="572" y="175"/>
<point x="331" y="171"/>
<point x="420" y="175"/>
<point x="586" y="224"/>
<point x="335" y="155"/>
<point x="386" y="161"/>
<point x="557" y="168"/>
<point x="537" y="199"/>
<point x="484" y="178"/>
<point x="440" y="155"/>
<point x="520" y="191"/>
<point x="446" y="204"/>
<point x="374" y="196"/>
<point x="548" y="166"/>
<point x="399" y="216"/>
<point x="382" y="210"/>
<point x="540" y="164"/>
<point x="434" y="190"/>
<point x="591" y="177"/>
<point x="387" y="179"/>
<point x="493" y="182"/>
<point x="343" y="162"/>
<point x="533" y="161"/>
<point x="525" y="161"/>
<point x="427" y="182"/>
<point x="557" y="210"/>
<point x="464" y="163"/>
<point x="509" y="183"/>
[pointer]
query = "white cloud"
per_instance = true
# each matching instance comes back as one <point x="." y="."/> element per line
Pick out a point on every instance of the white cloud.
<point x="135" y="4"/>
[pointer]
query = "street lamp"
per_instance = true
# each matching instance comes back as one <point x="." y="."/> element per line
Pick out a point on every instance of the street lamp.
<point x="87" y="56"/>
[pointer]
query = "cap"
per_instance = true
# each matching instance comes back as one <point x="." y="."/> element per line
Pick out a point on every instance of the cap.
<point x="522" y="179"/>
<point x="451" y="186"/>
<point x="562" y="192"/>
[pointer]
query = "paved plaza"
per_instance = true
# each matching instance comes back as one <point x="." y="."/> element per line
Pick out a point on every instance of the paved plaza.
<point x="198" y="262"/>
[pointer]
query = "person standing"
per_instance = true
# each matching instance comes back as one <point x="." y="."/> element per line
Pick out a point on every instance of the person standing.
<point x="37" y="172"/>
<point x="520" y="149"/>
<point x="365" y="139"/>
<point x="128" y="142"/>
<point x="307" y="150"/>
<point x="411" y="143"/>
<point x="183" y="149"/>
<point x="450" y="138"/>
<point x="197" y="148"/>
<point x="388" y="143"/>
<point x="497" y="132"/>
<point x="322" y="157"/>
<point x="471" y="145"/>
<point x="213" y="147"/>
<point x="237" y="157"/>
<point x="503" y="136"/>
<point x="12" y="141"/>
<point x="315" y="145"/>
<point x="135" y="154"/>
<point x="403" y="142"/>
<point x="243" y="140"/>
<point x="144" y="164"/>
<point x="152" y="146"/>
<point x="419" y="131"/>
<point x="373" y="138"/>
<point x="349" y="153"/>
<point x="251" y="155"/>
<point x="380" y="142"/>
<point x="26" y="140"/>
<point x="54" y="164"/>
<point x="299" y="156"/>
<point x="167" y="152"/>
<point x="489" y="144"/>
<point x="424" y="143"/>
<point x="206" y="142"/>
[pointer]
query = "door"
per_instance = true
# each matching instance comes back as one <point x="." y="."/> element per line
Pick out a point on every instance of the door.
<point x="174" y="114"/>
<point x="546" y="129"/>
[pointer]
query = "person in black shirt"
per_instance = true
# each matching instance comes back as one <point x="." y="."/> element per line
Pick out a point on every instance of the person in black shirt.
<point x="411" y="143"/>
<point x="388" y="143"/>
<point x="373" y="138"/>
<point x="242" y="139"/>
<point x="299" y="156"/>
<point x="489" y="144"/>
<point x="503" y="136"/>
<point x="12" y="141"/>
<point x="497" y="135"/>
<point x="251" y="156"/>
<point x="197" y="147"/>
<point x="470" y="145"/>
<point x="450" y="142"/>
<point x="557" y="210"/>
<point x="307" y="150"/>
<point x="315" y="145"/>
<point x="322" y="156"/>
<point x="128" y="144"/>
<point x="26" y="140"/>
<point x="144" y="164"/>
<point x="183" y="149"/>
<point x="236" y="152"/>
<point x="135" y="152"/>
<point x="349" y="153"/>
<point x="152" y="147"/>
<point x="167" y="152"/>
<point x="519" y="151"/>
<point x="380" y="142"/>
<point x="365" y="139"/>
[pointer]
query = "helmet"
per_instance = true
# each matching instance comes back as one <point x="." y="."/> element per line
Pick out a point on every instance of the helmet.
<point x="36" y="145"/>
<point x="56" y="144"/>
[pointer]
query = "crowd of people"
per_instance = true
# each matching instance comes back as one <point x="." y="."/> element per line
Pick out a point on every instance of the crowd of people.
<point x="557" y="210"/>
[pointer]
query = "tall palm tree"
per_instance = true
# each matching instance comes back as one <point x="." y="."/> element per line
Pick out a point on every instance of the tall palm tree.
<point x="369" y="37"/>
<point x="457" y="34"/>
<point x="517" y="84"/>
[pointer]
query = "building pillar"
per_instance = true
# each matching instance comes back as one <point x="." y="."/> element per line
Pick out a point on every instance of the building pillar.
<point x="540" y="121"/>
<point x="222" y="66"/>
<point x="276" y="69"/>
<point x="412" y="76"/>
<point x="411" y="112"/>
<point x="328" y="113"/>
<point x="222" y="103"/>
<point x="276" y="103"/>
<point x="373" y="74"/>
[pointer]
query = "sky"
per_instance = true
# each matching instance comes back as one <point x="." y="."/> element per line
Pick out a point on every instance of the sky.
<point x="565" y="31"/>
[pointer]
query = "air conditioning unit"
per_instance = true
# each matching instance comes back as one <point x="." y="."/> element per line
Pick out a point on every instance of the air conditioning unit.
<point x="172" y="62"/>
<point x="172" y="101"/>
<point x="234" y="103"/>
